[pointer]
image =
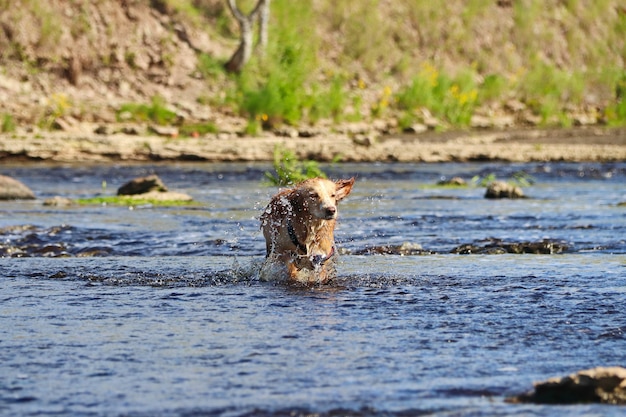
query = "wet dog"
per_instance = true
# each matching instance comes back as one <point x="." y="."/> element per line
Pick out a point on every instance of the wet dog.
<point x="299" y="225"/>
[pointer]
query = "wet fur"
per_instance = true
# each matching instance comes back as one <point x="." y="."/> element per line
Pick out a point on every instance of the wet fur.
<point x="298" y="225"/>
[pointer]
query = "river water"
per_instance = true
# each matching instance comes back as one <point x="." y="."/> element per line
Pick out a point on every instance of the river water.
<point x="153" y="311"/>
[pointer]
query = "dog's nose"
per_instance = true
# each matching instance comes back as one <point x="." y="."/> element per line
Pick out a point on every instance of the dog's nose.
<point x="330" y="211"/>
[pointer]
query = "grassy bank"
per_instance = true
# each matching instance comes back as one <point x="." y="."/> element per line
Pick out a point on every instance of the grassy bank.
<point x="443" y="65"/>
<point x="414" y="59"/>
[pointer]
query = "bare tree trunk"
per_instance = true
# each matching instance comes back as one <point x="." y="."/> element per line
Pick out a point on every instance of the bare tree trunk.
<point x="263" y="22"/>
<point x="244" y="51"/>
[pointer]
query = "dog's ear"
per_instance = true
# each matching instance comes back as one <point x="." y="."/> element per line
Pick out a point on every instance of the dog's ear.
<point x="343" y="188"/>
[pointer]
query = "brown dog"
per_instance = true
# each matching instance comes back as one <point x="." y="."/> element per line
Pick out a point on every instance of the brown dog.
<point x="299" y="225"/>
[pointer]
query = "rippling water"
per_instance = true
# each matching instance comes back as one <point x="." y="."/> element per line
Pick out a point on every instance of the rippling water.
<point x="156" y="311"/>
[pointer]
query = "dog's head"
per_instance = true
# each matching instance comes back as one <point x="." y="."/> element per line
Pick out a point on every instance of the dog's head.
<point x="319" y="196"/>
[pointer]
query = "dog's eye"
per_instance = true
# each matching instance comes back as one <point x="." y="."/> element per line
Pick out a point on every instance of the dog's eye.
<point x="313" y="194"/>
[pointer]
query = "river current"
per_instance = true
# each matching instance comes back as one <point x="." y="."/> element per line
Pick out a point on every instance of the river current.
<point x="156" y="311"/>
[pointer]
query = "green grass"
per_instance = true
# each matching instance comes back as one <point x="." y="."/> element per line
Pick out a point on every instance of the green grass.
<point x="156" y="112"/>
<point x="197" y="129"/>
<point x="8" y="124"/>
<point x="133" y="201"/>
<point x="329" y="103"/>
<point x="520" y="179"/>
<point x="452" y="99"/>
<point x="208" y="67"/>
<point x="289" y="170"/>
<point x="615" y="113"/>
<point x="547" y="90"/>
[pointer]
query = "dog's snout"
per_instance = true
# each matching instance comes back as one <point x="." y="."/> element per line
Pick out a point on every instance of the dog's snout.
<point x="331" y="211"/>
<point x="317" y="260"/>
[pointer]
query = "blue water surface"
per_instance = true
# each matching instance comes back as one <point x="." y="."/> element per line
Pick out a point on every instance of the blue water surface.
<point x="147" y="311"/>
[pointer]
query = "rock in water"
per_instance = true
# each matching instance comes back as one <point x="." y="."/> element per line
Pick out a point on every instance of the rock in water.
<point x="501" y="189"/>
<point x="142" y="185"/>
<point x="605" y="385"/>
<point x="12" y="189"/>
<point x="164" y="196"/>
<point x="58" y="201"/>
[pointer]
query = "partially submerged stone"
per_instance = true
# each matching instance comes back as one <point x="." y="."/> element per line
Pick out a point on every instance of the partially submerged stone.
<point x="605" y="385"/>
<point x="501" y="189"/>
<point x="142" y="185"/>
<point x="163" y="196"/>
<point x="493" y="246"/>
<point x="58" y="201"/>
<point x="404" y="249"/>
<point x="150" y="188"/>
<point x="12" y="189"/>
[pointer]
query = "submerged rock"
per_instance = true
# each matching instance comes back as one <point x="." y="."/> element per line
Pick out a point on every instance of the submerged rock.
<point x="142" y="185"/>
<point x="406" y="248"/>
<point x="497" y="246"/>
<point x="163" y="196"/>
<point x="12" y="189"/>
<point x="605" y="385"/>
<point x="58" y="201"/>
<point x="501" y="189"/>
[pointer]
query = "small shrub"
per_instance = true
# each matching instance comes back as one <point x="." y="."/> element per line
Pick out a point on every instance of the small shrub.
<point x="8" y="124"/>
<point x="493" y="87"/>
<point x="155" y="112"/>
<point x="131" y="59"/>
<point x="547" y="89"/>
<point x="279" y="85"/>
<point x="289" y="170"/>
<point x="197" y="129"/>
<point x="253" y="127"/>
<point x="451" y="99"/>
<point x="615" y="113"/>
<point x="209" y="67"/>
<point x="278" y="93"/>
<point x="406" y="120"/>
<point x="520" y="178"/>
<point x="380" y="106"/>
<point x="329" y="103"/>
<point x="58" y="105"/>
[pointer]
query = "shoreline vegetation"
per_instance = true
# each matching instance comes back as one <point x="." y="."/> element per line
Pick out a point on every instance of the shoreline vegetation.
<point x="511" y="80"/>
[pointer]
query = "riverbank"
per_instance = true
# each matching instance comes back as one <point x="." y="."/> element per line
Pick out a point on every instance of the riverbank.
<point x="514" y="145"/>
<point x="147" y="83"/>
